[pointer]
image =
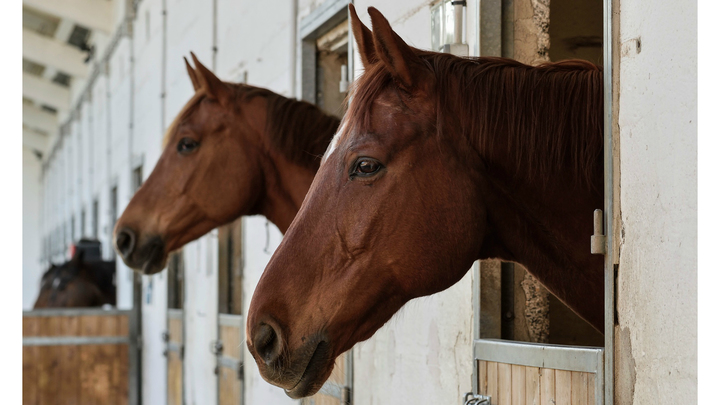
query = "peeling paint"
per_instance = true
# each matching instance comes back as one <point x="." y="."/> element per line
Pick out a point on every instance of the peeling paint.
<point x="626" y="371"/>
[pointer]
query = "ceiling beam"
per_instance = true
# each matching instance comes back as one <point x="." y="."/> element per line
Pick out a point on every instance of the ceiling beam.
<point x="51" y="52"/>
<point x="92" y="14"/>
<point x="43" y="91"/>
<point x="39" y="119"/>
<point x="35" y="140"/>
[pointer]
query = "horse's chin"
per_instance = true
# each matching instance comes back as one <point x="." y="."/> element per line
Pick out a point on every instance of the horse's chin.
<point x="315" y="374"/>
<point x="153" y="266"/>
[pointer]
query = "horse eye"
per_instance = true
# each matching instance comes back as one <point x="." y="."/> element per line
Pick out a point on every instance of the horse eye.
<point x="366" y="167"/>
<point x="187" y="145"/>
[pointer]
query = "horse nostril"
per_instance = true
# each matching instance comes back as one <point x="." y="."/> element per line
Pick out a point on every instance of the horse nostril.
<point x="125" y="241"/>
<point x="267" y="343"/>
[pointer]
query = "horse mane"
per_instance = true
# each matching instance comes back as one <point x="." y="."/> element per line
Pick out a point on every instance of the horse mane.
<point x="547" y="117"/>
<point x="299" y="130"/>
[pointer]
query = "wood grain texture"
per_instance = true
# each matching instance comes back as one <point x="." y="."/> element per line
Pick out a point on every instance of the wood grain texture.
<point x="579" y="388"/>
<point x="492" y="378"/>
<point x="591" y="389"/>
<point x="230" y="387"/>
<point x="174" y="378"/>
<point x="563" y="387"/>
<point x="175" y="363"/>
<point x="504" y="384"/>
<point x="30" y="363"/>
<point x="482" y="377"/>
<point x="518" y="385"/>
<point x="75" y="374"/>
<point x="547" y="386"/>
<point x="230" y="336"/>
<point x="532" y="385"/>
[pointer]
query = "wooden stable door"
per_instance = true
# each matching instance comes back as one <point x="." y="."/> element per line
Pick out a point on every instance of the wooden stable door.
<point x="229" y="347"/>
<point x="78" y="356"/>
<point x="229" y="351"/>
<point x="175" y="335"/>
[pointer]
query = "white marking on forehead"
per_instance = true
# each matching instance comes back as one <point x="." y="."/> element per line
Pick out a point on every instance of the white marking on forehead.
<point x="333" y="143"/>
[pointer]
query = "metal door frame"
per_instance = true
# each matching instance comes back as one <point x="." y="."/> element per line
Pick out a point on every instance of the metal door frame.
<point x="326" y="16"/>
<point x="599" y="359"/>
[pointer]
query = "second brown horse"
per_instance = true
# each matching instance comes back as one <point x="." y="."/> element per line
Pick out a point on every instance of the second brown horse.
<point x="232" y="150"/>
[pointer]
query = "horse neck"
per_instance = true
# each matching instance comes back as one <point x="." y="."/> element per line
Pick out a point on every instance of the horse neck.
<point x="547" y="228"/>
<point x="286" y="184"/>
<point x="542" y="219"/>
<point x="290" y="126"/>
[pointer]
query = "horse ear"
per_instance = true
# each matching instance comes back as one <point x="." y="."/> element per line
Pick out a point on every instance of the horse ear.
<point x="397" y="56"/>
<point x="192" y="74"/>
<point x="215" y="87"/>
<point x="364" y="39"/>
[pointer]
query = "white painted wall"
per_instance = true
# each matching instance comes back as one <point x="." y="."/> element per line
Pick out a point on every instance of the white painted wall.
<point x="256" y="242"/>
<point x="656" y="337"/>
<point x="32" y="196"/>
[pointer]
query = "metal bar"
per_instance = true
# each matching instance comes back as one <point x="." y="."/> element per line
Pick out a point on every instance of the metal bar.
<point x="74" y="340"/>
<point x="75" y="312"/>
<point x="229" y="362"/>
<point x="608" y="203"/>
<point x="230" y="320"/>
<point x="331" y="389"/>
<point x="476" y="320"/>
<point x="174" y="313"/>
<point x="349" y="378"/>
<point x="584" y="359"/>
<point x="174" y="347"/>
<point x="507" y="300"/>
<point x="135" y="357"/>
<point x="324" y="17"/>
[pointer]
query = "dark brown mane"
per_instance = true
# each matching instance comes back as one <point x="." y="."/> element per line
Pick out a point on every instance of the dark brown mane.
<point x="547" y="117"/>
<point x="298" y="129"/>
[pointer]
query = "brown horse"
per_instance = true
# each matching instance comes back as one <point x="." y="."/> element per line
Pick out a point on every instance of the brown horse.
<point x="232" y="150"/>
<point x="440" y="161"/>
<point x="77" y="283"/>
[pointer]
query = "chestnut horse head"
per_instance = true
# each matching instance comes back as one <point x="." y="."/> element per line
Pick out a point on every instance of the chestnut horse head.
<point x="232" y="150"/>
<point x="440" y="161"/>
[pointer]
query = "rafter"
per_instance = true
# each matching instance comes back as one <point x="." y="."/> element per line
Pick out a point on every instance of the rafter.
<point x="51" y="52"/>
<point x="43" y="91"/>
<point x="35" y="140"/>
<point x="39" y="119"/>
<point x="93" y="14"/>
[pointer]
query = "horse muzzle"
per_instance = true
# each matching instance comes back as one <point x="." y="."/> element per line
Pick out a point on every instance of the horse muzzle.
<point x="147" y="256"/>
<point x="300" y="372"/>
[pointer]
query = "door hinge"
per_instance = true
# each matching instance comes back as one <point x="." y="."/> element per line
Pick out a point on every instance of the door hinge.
<point x="476" y="399"/>
<point x="597" y="240"/>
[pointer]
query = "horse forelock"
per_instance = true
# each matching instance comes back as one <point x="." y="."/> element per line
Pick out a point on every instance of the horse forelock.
<point x="546" y="117"/>
<point x="187" y="110"/>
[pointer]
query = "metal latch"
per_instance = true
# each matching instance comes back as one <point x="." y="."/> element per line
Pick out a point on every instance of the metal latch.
<point x="597" y="240"/>
<point x="345" y="395"/>
<point x="476" y="399"/>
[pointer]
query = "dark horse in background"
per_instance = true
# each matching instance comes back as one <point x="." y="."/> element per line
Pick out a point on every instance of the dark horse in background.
<point x="440" y="161"/>
<point x="83" y="281"/>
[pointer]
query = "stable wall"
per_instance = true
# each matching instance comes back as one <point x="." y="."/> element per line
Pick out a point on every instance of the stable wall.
<point x="656" y="334"/>
<point x="32" y="197"/>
